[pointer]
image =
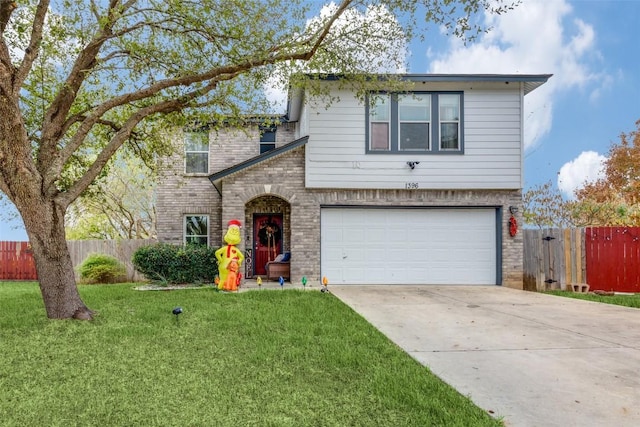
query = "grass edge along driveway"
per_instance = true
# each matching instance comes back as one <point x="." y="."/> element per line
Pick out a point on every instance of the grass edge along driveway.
<point x="259" y="358"/>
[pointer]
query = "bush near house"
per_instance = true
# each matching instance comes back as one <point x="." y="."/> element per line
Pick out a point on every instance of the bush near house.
<point x="173" y="264"/>
<point x="101" y="268"/>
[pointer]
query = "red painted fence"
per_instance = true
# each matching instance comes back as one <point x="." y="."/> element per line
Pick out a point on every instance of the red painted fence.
<point x="613" y="258"/>
<point x="16" y="261"/>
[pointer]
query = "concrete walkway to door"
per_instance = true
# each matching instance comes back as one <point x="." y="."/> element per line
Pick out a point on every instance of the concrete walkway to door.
<point x="533" y="359"/>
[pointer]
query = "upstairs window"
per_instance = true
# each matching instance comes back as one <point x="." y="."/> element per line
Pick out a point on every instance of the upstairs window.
<point x="449" y="122"/>
<point x="414" y="118"/>
<point x="380" y="124"/>
<point x="418" y="122"/>
<point x="196" y="152"/>
<point x="196" y="230"/>
<point x="267" y="138"/>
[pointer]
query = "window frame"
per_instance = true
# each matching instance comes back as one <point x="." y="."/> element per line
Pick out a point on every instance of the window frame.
<point x="434" y="123"/>
<point x="187" y="152"/>
<point x="186" y="236"/>
<point x="268" y="138"/>
<point x="404" y="121"/>
<point x="450" y="121"/>
<point x="386" y="121"/>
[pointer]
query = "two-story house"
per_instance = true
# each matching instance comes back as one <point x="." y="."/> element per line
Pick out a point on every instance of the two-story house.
<point x="414" y="186"/>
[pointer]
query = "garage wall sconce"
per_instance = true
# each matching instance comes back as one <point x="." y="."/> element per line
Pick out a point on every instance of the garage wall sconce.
<point x="513" y="210"/>
<point x="412" y="165"/>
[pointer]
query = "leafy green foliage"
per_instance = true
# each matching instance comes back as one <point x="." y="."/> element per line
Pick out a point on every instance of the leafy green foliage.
<point x="544" y="206"/>
<point x="615" y="198"/>
<point x="166" y="263"/>
<point x="118" y="205"/>
<point x="101" y="268"/>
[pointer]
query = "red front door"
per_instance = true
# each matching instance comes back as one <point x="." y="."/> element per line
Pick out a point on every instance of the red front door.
<point x="267" y="240"/>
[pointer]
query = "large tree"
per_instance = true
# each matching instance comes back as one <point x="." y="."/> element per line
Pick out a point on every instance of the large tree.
<point x="118" y="205"/>
<point x="614" y="199"/>
<point x="545" y="207"/>
<point x="81" y="80"/>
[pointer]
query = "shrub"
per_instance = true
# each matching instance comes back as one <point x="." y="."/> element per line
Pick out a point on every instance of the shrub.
<point x="166" y="263"/>
<point x="101" y="268"/>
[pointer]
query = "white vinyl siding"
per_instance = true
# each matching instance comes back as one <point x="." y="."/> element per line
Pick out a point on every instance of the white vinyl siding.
<point x="492" y="159"/>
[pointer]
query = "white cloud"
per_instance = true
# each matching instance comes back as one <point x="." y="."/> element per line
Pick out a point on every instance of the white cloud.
<point x="538" y="37"/>
<point x="587" y="167"/>
<point x="276" y="93"/>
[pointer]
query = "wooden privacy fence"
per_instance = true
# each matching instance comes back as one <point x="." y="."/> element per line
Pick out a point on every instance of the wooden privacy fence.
<point x="16" y="260"/>
<point x="120" y="249"/>
<point x="553" y="258"/>
<point x="605" y="258"/>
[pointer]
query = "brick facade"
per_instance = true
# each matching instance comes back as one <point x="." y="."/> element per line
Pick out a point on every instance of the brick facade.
<point x="277" y="186"/>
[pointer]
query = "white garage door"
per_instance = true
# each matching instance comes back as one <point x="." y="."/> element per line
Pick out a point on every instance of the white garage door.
<point x="409" y="246"/>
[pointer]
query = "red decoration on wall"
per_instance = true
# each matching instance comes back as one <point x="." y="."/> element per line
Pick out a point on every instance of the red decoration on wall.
<point x="513" y="226"/>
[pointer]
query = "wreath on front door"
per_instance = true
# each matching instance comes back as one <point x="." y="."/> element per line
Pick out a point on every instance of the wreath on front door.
<point x="269" y="234"/>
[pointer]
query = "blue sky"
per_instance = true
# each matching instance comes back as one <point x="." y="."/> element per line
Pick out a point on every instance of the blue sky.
<point x="591" y="48"/>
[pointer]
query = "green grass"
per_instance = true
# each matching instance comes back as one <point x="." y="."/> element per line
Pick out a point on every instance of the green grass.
<point x="625" y="300"/>
<point x="260" y="358"/>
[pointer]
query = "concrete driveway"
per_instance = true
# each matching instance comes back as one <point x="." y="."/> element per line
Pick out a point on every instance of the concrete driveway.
<point x="533" y="359"/>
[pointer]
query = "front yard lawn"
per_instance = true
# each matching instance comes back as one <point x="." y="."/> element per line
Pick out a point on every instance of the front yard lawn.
<point x="625" y="300"/>
<point x="259" y="358"/>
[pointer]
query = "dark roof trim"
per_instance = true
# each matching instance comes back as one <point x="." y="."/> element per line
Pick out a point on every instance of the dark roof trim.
<point x="542" y="78"/>
<point x="530" y="83"/>
<point x="218" y="176"/>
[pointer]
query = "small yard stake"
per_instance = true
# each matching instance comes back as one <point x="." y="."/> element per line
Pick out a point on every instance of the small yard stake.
<point x="177" y="312"/>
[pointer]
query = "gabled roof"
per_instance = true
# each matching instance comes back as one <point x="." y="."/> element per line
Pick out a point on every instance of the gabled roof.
<point x="530" y="83"/>
<point x="217" y="177"/>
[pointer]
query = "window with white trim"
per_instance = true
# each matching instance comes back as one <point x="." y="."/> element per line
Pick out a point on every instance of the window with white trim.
<point x="417" y="122"/>
<point x="196" y="230"/>
<point x="196" y="152"/>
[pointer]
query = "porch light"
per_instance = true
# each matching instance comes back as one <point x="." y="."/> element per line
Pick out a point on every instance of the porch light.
<point x="412" y="165"/>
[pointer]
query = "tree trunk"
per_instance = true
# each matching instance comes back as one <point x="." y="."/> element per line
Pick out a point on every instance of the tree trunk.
<point x="55" y="268"/>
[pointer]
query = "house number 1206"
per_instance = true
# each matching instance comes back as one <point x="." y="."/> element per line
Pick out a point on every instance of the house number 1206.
<point x="411" y="185"/>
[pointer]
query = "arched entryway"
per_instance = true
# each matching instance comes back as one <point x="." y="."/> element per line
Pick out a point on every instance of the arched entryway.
<point x="268" y="233"/>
